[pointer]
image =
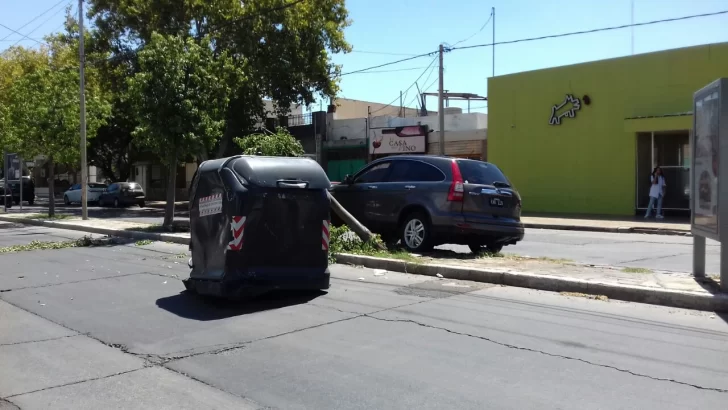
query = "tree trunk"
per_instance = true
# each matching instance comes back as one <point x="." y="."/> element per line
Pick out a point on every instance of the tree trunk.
<point x="360" y="230"/>
<point x="51" y="187"/>
<point x="226" y="142"/>
<point x="171" y="186"/>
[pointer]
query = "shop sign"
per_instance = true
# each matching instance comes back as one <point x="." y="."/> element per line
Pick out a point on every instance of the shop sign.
<point x="572" y="105"/>
<point x="706" y="161"/>
<point x="399" y="140"/>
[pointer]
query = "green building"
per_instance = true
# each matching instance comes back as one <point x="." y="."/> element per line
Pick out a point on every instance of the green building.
<point x="583" y="139"/>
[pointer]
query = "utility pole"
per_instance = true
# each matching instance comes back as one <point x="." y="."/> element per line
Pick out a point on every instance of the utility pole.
<point x="401" y="105"/>
<point x="441" y="103"/>
<point x="632" y="24"/>
<point x="368" y="129"/>
<point x="5" y="177"/>
<point x="493" y="47"/>
<point x="82" y="95"/>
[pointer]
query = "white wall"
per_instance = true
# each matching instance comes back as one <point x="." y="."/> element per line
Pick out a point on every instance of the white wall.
<point x="460" y="126"/>
<point x="351" y="129"/>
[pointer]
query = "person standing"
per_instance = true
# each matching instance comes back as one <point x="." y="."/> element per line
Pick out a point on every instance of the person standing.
<point x="657" y="193"/>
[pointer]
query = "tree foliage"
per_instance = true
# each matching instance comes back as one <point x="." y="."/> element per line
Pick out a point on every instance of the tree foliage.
<point x="279" y="144"/>
<point x="283" y="47"/>
<point x="179" y="96"/>
<point x="42" y="115"/>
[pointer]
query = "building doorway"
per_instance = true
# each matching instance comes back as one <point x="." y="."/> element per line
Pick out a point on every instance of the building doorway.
<point x="671" y="151"/>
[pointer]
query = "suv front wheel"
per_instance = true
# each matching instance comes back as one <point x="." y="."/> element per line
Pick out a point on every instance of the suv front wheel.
<point x="416" y="232"/>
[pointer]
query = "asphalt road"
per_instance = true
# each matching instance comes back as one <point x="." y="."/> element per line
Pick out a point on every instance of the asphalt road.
<point x="109" y="327"/>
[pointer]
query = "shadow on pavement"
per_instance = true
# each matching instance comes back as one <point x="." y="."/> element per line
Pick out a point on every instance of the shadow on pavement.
<point x="709" y="284"/>
<point x="191" y="306"/>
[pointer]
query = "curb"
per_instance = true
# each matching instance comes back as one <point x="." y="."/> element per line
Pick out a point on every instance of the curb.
<point x="640" y="294"/>
<point x="136" y="235"/>
<point x="626" y="229"/>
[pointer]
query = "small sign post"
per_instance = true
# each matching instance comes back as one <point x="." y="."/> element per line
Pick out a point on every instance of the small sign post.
<point x="5" y="176"/>
<point x="20" y="162"/>
<point x="709" y="175"/>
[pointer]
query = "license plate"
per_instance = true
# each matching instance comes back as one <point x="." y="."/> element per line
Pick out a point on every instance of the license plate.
<point x="497" y="202"/>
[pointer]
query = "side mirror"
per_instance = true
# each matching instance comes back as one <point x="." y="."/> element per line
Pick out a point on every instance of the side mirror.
<point x="348" y="179"/>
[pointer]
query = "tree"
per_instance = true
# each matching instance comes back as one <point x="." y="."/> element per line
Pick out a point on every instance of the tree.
<point x="14" y="63"/>
<point x="43" y="108"/>
<point x="280" y="144"/>
<point x="179" y="97"/>
<point x="283" y="47"/>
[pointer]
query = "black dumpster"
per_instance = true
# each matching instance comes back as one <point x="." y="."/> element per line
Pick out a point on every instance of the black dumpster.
<point x="258" y="224"/>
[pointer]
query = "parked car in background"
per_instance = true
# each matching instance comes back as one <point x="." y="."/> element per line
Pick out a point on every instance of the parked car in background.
<point x="28" y="190"/>
<point x="424" y="201"/>
<point x="73" y="195"/>
<point x="122" y="194"/>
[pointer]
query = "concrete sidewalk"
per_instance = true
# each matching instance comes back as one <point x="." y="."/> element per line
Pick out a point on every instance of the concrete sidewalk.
<point x="634" y="225"/>
<point x="677" y="289"/>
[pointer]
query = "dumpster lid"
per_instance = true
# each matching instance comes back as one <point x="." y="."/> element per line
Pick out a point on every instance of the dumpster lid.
<point x="281" y="172"/>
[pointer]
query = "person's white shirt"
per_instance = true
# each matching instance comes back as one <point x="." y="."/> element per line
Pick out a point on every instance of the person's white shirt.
<point x="656" y="189"/>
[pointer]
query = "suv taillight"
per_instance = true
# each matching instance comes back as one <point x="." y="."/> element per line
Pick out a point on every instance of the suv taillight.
<point x="456" y="187"/>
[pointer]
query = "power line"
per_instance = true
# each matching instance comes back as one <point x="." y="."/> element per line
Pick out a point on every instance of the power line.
<point x="477" y="32"/>
<point x="384" y="53"/>
<point x="392" y="71"/>
<point x="417" y="97"/>
<point x="34" y="19"/>
<point x="35" y="39"/>
<point x="39" y="26"/>
<point x="523" y="40"/>
<point x="596" y="30"/>
<point x="17" y="32"/>
<point x="408" y="88"/>
<point x="391" y="63"/>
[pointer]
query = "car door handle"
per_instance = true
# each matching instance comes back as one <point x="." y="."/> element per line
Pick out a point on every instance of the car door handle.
<point x="409" y="187"/>
<point x="474" y="193"/>
<point x="372" y="187"/>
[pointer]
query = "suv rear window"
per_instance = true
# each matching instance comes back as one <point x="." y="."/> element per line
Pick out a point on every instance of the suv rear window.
<point x="481" y="173"/>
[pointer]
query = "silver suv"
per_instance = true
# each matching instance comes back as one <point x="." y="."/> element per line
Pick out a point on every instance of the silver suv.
<point x="424" y="201"/>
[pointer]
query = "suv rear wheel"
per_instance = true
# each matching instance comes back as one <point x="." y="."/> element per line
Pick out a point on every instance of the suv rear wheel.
<point x="416" y="232"/>
<point x="485" y="248"/>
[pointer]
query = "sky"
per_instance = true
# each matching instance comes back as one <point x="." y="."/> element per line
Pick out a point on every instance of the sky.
<point x="387" y="30"/>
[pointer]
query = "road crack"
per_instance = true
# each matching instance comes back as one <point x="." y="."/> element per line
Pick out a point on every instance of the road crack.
<point x="40" y="340"/>
<point x="175" y="356"/>
<point x="555" y="355"/>
<point x="92" y="379"/>
<point x="653" y="257"/>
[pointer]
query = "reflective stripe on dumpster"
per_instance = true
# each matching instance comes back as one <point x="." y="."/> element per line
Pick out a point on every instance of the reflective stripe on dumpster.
<point x="325" y="236"/>
<point x="238" y="227"/>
